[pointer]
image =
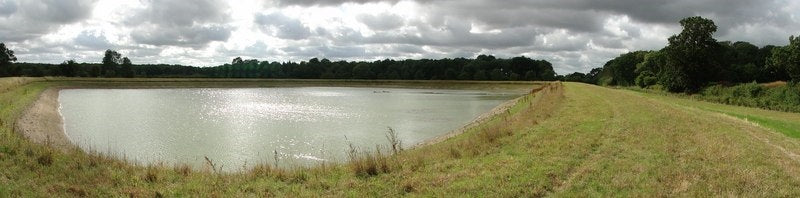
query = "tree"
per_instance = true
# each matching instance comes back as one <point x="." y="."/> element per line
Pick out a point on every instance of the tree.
<point x="649" y="71"/>
<point x="362" y="71"/>
<point x="6" y="58"/>
<point x="575" y="77"/>
<point x="237" y="61"/>
<point x="127" y="68"/>
<point x="6" y="55"/>
<point x="69" y="68"/>
<point x="788" y="58"/>
<point x="692" y="55"/>
<point x="479" y="75"/>
<point x="593" y="75"/>
<point x="621" y="70"/>
<point x="110" y="62"/>
<point x="496" y="74"/>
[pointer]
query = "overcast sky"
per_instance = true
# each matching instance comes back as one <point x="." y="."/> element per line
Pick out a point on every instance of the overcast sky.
<point x="575" y="35"/>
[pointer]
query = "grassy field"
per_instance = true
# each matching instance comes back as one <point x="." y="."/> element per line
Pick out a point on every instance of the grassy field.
<point x="565" y="140"/>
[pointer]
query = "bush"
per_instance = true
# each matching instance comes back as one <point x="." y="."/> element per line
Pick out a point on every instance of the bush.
<point x="646" y="79"/>
<point x="780" y="98"/>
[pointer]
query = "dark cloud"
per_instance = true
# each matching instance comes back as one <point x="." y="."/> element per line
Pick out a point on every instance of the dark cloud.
<point x="382" y="22"/>
<point x="23" y="20"/>
<point x="195" y="36"/>
<point x="188" y="23"/>
<point x="282" y="26"/>
<point x="7" y="7"/>
<point x="326" y="2"/>
<point x="575" y="35"/>
<point x="588" y="15"/>
<point x="457" y="33"/>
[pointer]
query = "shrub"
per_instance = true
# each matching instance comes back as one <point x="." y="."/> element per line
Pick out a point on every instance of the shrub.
<point x="772" y="97"/>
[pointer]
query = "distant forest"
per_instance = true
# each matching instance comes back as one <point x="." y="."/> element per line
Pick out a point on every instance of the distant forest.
<point x="483" y="67"/>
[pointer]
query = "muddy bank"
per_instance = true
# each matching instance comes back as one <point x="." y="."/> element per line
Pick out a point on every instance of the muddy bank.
<point x="42" y="123"/>
<point x="502" y="108"/>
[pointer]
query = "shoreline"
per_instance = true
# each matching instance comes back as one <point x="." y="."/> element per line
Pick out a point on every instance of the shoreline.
<point x="41" y="122"/>
<point x="480" y="119"/>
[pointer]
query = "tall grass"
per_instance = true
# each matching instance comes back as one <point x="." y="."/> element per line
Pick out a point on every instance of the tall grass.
<point x="370" y="163"/>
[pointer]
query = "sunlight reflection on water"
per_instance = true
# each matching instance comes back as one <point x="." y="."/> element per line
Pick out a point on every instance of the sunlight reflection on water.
<point x="238" y="127"/>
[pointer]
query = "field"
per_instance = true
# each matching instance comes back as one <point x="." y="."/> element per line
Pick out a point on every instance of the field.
<point x="565" y="139"/>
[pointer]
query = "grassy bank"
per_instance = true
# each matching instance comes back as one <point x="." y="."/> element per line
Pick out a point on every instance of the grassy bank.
<point x="565" y="140"/>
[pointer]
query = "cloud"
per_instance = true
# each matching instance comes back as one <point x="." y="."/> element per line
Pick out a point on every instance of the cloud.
<point x="24" y="20"/>
<point x="281" y="26"/>
<point x="187" y="23"/>
<point x="93" y="40"/>
<point x="326" y="2"/>
<point x="382" y="22"/>
<point x="575" y="35"/>
<point x="195" y="36"/>
<point x="7" y="7"/>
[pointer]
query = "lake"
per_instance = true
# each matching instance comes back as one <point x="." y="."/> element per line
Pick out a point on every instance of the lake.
<point x="239" y="127"/>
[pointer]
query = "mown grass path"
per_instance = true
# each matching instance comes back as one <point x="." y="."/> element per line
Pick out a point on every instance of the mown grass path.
<point x="644" y="144"/>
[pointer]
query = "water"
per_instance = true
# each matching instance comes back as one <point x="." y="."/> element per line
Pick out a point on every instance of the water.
<point x="238" y="127"/>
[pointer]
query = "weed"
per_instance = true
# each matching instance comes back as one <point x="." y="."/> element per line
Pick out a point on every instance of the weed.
<point x="45" y="159"/>
<point x="183" y="169"/>
<point x="396" y="144"/>
<point x="455" y="152"/>
<point x="77" y="191"/>
<point x="212" y="165"/>
<point x="151" y="175"/>
<point x="368" y="164"/>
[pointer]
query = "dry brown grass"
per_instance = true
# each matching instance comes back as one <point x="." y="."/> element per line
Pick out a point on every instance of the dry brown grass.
<point x="774" y="84"/>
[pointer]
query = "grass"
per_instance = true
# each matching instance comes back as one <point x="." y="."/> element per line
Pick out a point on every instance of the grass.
<point x="786" y="123"/>
<point x="563" y="140"/>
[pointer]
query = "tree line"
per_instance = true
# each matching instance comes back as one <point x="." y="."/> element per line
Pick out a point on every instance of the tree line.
<point x="113" y="64"/>
<point x="694" y="59"/>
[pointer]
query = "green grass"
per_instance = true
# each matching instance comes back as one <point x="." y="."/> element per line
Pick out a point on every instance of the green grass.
<point x="569" y="140"/>
<point x="791" y="129"/>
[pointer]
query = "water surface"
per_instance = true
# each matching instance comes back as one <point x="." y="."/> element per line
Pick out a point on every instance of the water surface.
<point x="237" y="127"/>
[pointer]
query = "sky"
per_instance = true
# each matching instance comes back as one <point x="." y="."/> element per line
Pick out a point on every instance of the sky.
<point x="574" y="35"/>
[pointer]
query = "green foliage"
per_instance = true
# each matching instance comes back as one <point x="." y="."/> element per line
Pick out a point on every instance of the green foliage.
<point x="518" y="68"/>
<point x="787" y="58"/>
<point x="673" y="79"/>
<point x="650" y="69"/>
<point x="646" y="79"/>
<point x="127" y="68"/>
<point x="362" y="71"/>
<point x="620" y="70"/>
<point x="591" y="77"/>
<point x="6" y="58"/>
<point x="69" y="68"/>
<point x="691" y="55"/>
<point x="111" y="60"/>
<point x="6" y="55"/>
<point x="781" y="98"/>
